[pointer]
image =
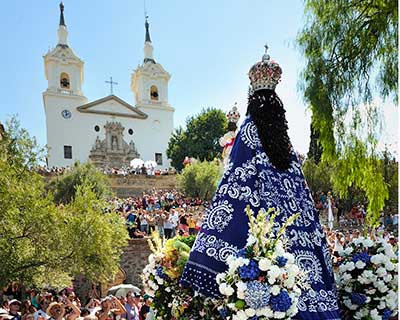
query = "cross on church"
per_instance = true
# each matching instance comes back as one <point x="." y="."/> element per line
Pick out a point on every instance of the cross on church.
<point x="111" y="82"/>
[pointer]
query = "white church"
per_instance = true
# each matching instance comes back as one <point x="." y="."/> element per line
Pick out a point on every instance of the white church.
<point x="108" y="131"/>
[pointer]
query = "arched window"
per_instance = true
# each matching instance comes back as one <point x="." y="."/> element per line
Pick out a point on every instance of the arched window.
<point x="153" y="93"/>
<point x="64" y="81"/>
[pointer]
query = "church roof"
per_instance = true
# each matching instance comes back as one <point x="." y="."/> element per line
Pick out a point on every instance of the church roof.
<point x="126" y="110"/>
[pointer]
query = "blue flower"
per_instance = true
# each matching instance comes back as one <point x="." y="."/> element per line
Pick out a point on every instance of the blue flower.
<point x="358" y="298"/>
<point x="257" y="295"/>
<point x="241" y="253"/>
<point x="223" y="313"/>
<point x="364" y="257"/>
<point x="253" y="318"/>
<point x="249" y="272"/>
<point x="386" y="314"/>
<point x="160" y="272"/>
<point x="281" y="261"/>
<point x="282" y="302"/>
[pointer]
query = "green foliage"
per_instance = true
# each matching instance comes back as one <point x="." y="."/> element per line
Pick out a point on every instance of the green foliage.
<point x="350" y="48"/>
<point x="200" y="139"/>
<point x="314" y="150"/>
<point x="64" y="187"/>
<point x="318" y="176"/>
<point x="200" y="179"/>
<point x="45" y="244"/>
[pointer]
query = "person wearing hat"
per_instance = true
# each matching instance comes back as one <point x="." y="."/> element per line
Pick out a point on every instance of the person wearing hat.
<point x="56" y="311"/>
<point x="146" y="312"/>
<point x="14" y="306"/>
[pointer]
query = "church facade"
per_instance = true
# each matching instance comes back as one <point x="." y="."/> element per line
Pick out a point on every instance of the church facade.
<point x="109" y="131"/>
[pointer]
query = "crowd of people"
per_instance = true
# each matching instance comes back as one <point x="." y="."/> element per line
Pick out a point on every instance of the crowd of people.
<point x="168" y="212"/>
<point x="351" y="218"/>
<point x="48" y="304"/>
<point x="123" y="171"/>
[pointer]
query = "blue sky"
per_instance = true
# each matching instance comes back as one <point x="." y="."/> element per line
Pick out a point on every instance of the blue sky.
<point x="208" y="47"/>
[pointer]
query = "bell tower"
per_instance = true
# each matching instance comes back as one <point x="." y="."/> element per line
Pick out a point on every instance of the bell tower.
<point x="63" y="68"/>
<point x="64" y="74"/>
<point x="149" y="82"/>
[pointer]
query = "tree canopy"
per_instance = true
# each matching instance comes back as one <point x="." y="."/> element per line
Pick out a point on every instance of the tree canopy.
<point x="200" y="179"/>
<point x="350" y="47"/>
<point x="200" y="138"/>
<point x="64" y="186"/>
<point x="43" y="243"/>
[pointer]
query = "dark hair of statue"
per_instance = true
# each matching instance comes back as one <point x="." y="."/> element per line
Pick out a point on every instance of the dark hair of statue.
<point x="232" y="126"/>
<point x="268" y="114"/>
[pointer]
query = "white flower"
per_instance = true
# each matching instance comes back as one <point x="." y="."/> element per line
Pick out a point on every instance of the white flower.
<point x="266" y="312"/>
<point x="275" y="290"/>
<point x="240" y="315"/>
<point x="390" y="266"/>
<point x="168" y="289"/>
<point x="349" y="305"/>
<point x="273" y="273"/>
<point x="250" y="312"/>
<point x="289" y="257"/>
<point x="348" y="250"/>
<point x="226" y="289"/>
<point x="370" y="291"/>
<point x="368" y="243"/>
<point x="378" y="258"/>
<point x="241" y="288"/>
<point x="231" y="306"/>
<point x="350" y="266"/>
<point x="279" y="250"/>
<point x="289" y="282"/>
<point x="374" y="314"/>
<point x="264" y="264"/>
<point x="279" y="315"/>
<point x="250" y="240"/>
<point x="346" y="277"/>
<point x="360" y="264"/>
<point x="219" y="277"/>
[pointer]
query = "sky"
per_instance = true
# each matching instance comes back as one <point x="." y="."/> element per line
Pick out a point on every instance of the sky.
<point x="207" y="46"/>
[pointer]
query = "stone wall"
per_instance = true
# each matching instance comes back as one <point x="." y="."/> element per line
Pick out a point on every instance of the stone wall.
<point x="134" y="185"/>
<point x="134" y="259"/>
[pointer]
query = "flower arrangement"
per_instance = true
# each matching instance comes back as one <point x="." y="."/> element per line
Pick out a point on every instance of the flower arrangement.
<point x="367" y="279"/>
<point x="161" y="280"/>
<point x="262" y="280"/>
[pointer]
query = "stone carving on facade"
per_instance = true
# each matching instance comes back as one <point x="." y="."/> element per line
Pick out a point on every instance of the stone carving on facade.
<point x="113" y="151"/>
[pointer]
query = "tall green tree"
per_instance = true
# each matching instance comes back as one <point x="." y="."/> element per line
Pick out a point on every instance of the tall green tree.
<point x="350" y="48"/>
<point x="200" y="179"/>
<point x="314" y="149"/>
<point x="45" y="244"/>
<point x="200" y="138"/>
<point x="64" y="187"/>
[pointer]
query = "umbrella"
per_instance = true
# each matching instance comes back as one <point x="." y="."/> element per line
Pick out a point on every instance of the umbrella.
<point x="136" y="162"/>
<point x="150" y="163"/>
<point x="122" y="289"/>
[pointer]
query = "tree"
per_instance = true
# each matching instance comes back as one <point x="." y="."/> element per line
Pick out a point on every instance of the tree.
<point x="318" y="175"/>
<point x="64" y="186"/>
<point x="350" y="48"/>
<point x="200" y="179"/>
<point x="314" y="150"/>
<point x="200" y="138"/>
<point x="45" y="244"/>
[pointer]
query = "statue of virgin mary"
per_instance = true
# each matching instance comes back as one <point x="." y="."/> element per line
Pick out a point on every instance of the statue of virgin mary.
<point x="264" y="172"/>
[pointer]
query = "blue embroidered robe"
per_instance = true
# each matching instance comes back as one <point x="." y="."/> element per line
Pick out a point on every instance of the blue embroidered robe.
<point x="250" y="179"/>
